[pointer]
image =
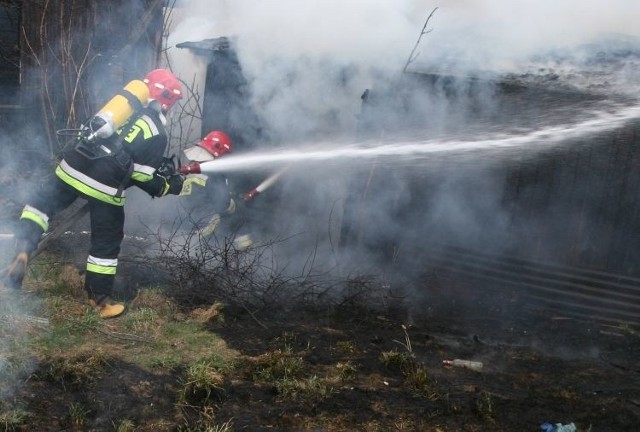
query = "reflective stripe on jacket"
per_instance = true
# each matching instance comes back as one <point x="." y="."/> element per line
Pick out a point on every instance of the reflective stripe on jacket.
<point x="87" y="185"/>
<point x="35" y="215"/>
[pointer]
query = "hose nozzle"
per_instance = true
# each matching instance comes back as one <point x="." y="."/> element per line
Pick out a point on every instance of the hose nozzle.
<point x="249" y="195"/>
<point x="192" y="168"/>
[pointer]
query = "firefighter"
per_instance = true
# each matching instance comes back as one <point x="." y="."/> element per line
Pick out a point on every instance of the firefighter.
<point x="211" y="198"/>
<point x="133" y="155"/>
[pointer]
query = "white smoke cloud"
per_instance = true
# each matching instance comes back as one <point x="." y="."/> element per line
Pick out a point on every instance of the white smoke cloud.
<point x="499" y="34"/>
<point x="308" y="62"/>
<point x="297" y="54"/>
<point x="381" y="32"/>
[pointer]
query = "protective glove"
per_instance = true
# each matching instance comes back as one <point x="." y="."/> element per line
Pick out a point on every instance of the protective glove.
<point x="190" y="182"/>
<point x="175" y="183"/>
<point x="168" y="167"/>
<point x="211" y="226"/>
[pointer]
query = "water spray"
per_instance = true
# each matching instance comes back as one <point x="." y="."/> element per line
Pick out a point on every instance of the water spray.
<point x="264" y="185"/>
<point x="416" y="151"/>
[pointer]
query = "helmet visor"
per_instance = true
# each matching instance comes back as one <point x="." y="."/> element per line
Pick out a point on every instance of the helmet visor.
<point x="198" y="154"/>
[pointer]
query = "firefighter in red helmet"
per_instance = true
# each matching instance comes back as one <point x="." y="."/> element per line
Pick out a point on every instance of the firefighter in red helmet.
<point x="99" y="169"/>
<point x="213" y="145"/>
<point x="164" y="88"/>
<point x="210" y="195"/>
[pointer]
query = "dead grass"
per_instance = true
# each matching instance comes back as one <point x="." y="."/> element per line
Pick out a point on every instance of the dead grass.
<point x="78" y="368"/>
<point x="213" y="313"/>
<point x="213" y="367"/>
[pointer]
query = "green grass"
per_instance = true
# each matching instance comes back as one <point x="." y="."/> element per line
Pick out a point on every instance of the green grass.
<point x="485" y="407"/>
<point x="141" y="320"/>
<point x="311" y="388"/>
<point x="397" y="360"/>
<point x="78" y="370"/>
<point x="174" y="343"/>
<point x="346" y="370"/>
<point x="416" y="376"/>
<point x="201" y="383"/>
<point x="345" y="347"/>
<point x="125" y="425"/>
<point x="68" y="334"/>
<point x="13" y="420"/>
<point x="78" y="415"/>
<point x="278" y="364"/>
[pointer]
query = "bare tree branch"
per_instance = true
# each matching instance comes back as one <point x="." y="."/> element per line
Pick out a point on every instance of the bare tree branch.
<point x="413" y="55"/>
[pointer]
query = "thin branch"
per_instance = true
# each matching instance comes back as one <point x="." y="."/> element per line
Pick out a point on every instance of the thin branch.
<point x="111" y="334"/>
<point x="253" y="316"/>
<point x="141" y="28"/>
<point x="424" y="31"/>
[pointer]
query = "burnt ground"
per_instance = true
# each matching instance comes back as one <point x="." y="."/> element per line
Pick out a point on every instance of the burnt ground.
<point x="538" y="366"/>
<point x="541" y="364"/>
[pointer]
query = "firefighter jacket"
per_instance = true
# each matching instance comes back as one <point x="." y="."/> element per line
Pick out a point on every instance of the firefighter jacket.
<point x="208" y="194"/>
<point x="133" y="155"/>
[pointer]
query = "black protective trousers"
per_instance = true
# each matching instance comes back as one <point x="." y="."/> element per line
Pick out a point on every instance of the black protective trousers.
<point x="107" y="230"/>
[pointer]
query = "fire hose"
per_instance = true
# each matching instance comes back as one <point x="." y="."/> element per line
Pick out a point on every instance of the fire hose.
<point x="196" y="168"/>
<point x="264" y="185"/>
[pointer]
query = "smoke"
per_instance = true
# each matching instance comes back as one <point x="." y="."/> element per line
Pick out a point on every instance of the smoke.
<point x="312" y="59"/>
<point x="308" y="64"/>
<point x="500" y="35"/>
<point x="17" y="324"/>
<point x="26" y="149"/>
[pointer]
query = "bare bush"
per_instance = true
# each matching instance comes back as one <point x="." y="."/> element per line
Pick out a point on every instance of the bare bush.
<point x="204" y="270"/>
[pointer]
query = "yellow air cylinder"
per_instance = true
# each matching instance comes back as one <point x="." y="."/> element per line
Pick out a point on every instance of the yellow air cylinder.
<point x="118" y="110"/>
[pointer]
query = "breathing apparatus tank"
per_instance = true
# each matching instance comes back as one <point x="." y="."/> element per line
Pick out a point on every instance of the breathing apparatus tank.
<point x="117" y="111"/>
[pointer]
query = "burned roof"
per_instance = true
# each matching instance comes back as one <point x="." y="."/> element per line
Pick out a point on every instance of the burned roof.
<point x="206" y="47"/>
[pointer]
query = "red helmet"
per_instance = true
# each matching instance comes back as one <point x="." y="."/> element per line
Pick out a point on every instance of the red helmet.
<point x="164" y="87"/>
<point x="214" y="145"/>
<point x="217" y="143"/>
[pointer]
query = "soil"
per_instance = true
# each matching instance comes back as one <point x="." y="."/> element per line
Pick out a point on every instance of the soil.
<point x="538" y="367"/>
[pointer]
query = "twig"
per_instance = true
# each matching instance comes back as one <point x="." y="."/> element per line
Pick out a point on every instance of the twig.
<point x="253" y="316"/>
<point x="138" y="31"/>
<point x="115" y="335"/>
<point x="407" y="343"/>
<point x="37" y="321"/>
<point x="424" y="31"/>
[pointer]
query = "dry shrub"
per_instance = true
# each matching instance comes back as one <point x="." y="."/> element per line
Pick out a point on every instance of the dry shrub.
<point x="211" y="314"/>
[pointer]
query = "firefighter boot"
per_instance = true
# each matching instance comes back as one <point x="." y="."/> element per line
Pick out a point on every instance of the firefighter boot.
<point x="13" y="275"/>
<point x="106" y="307"/>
